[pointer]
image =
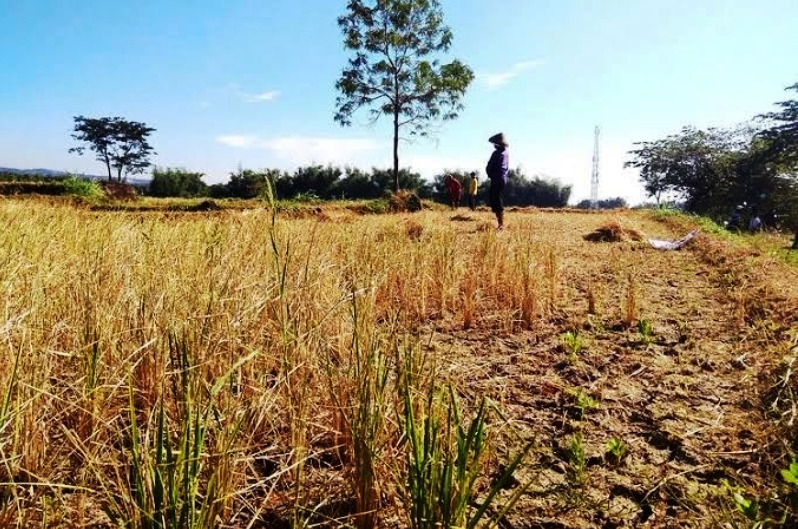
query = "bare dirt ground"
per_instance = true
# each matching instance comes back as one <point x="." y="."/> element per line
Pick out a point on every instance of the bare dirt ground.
<point x="687" y="395"/>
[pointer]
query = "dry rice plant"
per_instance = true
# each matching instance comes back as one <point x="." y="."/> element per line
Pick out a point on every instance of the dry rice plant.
<point x="119" y="326"/>
<point x="591" y="298"/>
<point x="613" y="231"/>
<point x="241" y="369"/>
<point x="630" y="305"/>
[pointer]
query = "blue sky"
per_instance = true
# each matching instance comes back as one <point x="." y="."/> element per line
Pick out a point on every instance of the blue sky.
<point x="251" y="82"/>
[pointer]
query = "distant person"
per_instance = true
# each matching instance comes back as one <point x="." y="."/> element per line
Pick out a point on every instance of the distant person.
<point x="770" y="220"/>
<point x="736" y="218"/>
<point x="497" y="169"/>
<point x="473" y="185"/>
<point x="455" y="189"/>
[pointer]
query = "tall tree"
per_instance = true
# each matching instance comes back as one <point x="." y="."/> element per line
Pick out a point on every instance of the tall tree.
<point x="395" y="70"/>
<point x="702" y="167"/>
<point x="117" y="142"/>
<point x="783" y="132"/>
<point x="247" y="183"/>
<point x="783" y="137"/>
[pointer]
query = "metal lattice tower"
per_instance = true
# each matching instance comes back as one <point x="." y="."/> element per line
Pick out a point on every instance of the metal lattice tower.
<point x="594" y="177"/>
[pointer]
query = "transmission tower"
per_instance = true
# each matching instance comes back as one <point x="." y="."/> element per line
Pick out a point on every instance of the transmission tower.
<point x="594" y="177"/>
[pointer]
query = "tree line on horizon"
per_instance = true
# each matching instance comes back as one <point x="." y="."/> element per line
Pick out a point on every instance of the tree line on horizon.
<point x="329" y="182"/>
<point x="303" y="185"/>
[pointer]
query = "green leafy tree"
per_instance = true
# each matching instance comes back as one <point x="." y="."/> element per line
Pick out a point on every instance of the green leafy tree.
<point x="605" y="203"/>
<point x="170" y="182"/>
<point x="394" y="68"/>
<point x="711" y="170"/>
<point x="783" y="130"/>
<point x="118" y="143"/>
<point x="539" y="191"/>
<point x="316" y="180"/>
<point x="782" y="138"/>
<point x="356" y="183"/>
<point x="246" y="183"/>
<point x="384" y="178"/>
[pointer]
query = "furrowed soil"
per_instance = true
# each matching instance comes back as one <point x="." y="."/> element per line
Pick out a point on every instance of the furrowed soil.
<point x="680" y="360"/>
<point x="689" y="399"/>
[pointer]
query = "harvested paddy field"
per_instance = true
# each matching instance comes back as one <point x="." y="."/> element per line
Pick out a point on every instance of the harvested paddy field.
<point x="239" y="369"/>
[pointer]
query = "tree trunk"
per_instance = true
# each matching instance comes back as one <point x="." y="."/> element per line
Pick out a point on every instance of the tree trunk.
<point x="396" y="150"/>
<point x="107" y="161"/>
<point x="795" y="241"/>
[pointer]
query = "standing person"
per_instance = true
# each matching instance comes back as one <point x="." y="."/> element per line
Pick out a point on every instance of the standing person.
<point x="755" y="224"/>
<point x="473" y="184"/>
<point x="455" y="189"/>
<point x="497" y="169"/>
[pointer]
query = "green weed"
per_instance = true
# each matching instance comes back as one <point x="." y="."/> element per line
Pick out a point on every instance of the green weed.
<point x="359" y="387"/>
<point x="444" y="460"/>
<point x="576" y="459"/>
<point x="617" y="449"/>
<point x="646" y="330"/>
<point x="572" y="343"/>
<point x="790" y="475"/>
<point x="583" y="401"/>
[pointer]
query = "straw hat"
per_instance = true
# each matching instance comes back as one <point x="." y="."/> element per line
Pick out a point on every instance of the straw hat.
<point x="499" y="139"/>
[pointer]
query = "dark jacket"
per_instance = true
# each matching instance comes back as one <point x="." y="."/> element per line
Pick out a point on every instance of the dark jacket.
<point x="498" y="165"/>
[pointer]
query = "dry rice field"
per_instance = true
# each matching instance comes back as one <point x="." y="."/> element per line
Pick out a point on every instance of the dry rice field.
<point x="242" y="369"/>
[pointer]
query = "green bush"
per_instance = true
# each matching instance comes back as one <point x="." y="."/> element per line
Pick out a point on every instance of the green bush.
<point x="169" y="182"/>
<point x="81" y="187"/>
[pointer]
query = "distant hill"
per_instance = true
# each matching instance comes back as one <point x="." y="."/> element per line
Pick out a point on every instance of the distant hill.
<point x="54" y="173"/>
<point x="38" y="172"/>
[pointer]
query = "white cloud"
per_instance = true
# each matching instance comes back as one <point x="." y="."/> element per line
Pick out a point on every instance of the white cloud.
<point x="241" y="141"/>
<point x="495" y="80"/>
<point x="246" y="97"/>
<point x="259" y="98"/>
<point x="306" y="149"/>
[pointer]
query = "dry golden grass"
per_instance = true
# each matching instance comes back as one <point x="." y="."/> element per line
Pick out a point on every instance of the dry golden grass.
<point x="277" y="348"/>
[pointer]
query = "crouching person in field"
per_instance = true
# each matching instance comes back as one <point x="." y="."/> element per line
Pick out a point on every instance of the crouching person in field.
<point x="455" y="189"/>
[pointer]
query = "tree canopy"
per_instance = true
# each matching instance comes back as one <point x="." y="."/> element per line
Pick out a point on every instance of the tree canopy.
<point x="714" y="170"/>
<point x="116" y="142"/>
<point x="170" y="182"/>
<point x="318" y="182"/>
<point x="394" y="67"/>
<point x="606" y="203"/>
<point x="783" y="130"/>
<point x="781" y="140"/>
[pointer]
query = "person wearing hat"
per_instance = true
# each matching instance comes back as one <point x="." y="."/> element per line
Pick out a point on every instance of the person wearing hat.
<point x="473" y="184"/>
<point x="497" y="169"/>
